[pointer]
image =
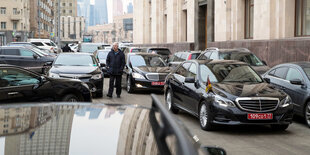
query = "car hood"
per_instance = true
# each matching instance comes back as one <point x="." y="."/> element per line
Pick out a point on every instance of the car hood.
<point x="152" y="69"/>
<point x="261" y="69"/>
<point x="234" y="90"/>
<point x="76" y="129"/>
<point x="103" y="61"/>
<point x="75" y="69"/>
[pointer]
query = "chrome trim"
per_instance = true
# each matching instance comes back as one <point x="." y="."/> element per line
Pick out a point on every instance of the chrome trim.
<point x="155" y="74"/>
<point x="260" y="104"/>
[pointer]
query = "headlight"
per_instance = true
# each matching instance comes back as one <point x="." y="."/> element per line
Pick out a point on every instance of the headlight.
<point x="224" y="102"/>
<point x="137" y="76"/>
<point x="97" y="76"/>
<point x="53" y="75"/>
<point x="286" y="102"/>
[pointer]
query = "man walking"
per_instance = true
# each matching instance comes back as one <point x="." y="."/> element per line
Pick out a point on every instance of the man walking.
<point x="115" y="65"/>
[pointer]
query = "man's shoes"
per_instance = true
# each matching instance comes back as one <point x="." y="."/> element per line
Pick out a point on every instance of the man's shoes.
<point x="110" y="96"/>
<point x="118" y="96"/>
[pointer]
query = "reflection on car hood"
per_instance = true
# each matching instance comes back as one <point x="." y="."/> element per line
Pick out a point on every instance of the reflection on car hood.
<point x="152" y="69"/>
<point x="75" y="129"/>
<point x="261" y="69"/>
<point x="248" y="90"/>
<point x="74" y="69"/>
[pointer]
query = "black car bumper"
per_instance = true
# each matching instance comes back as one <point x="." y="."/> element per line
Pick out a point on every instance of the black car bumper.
<point x="235" y="116"/>
<point x="143" y="84"/>
<point x="94" y="85"/>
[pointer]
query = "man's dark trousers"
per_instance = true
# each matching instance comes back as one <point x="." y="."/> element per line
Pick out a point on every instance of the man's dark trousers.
<point x="118" y="84"/>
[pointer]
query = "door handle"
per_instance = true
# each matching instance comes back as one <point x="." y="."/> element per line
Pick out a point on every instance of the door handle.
<point x="12" y="93"/>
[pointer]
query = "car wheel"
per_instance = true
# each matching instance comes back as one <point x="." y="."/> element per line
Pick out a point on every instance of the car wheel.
<point x="205" y="117"/>
<point x="170" y="104"/>
<point x="70" y="98"/>
<point x="307" y="114"/>
<point x="129" y="86"/>
<point x="99" y="94"/>
<point x="279" y="127"/>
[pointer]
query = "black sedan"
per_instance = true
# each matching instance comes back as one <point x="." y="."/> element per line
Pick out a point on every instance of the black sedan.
<point x="144" y="71"/>
<point x="82" y="66"/>
<point x="293" y="78"/>
<point x="85" y="128"/>
<point x="21" y="85"/>
<point x="101" y="56"/>
<point x="236" y="94"/>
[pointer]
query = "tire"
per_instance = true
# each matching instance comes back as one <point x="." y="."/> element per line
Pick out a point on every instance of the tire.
<point x="170" y="104"/>
<point x="70" y="98"/>
<point x="279" y="127"/>
<point x="99" y="94"/>
<point x="205" y="119"/>
<point x="129" y="86"/>
<point x="307" y="114"/>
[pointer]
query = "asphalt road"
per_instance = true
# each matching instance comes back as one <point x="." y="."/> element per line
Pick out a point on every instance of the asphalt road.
<point x="254" y="140"/>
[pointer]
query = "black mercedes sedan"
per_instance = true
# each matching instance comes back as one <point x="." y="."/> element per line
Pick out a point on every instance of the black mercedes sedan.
<point x="82" y="66"/>
<point x="293" y="78"/>
<point x="235" y="95"/>
<point x="144" y="71"/>
<point x="21" y="85"/>
<point x="85" y="128"/>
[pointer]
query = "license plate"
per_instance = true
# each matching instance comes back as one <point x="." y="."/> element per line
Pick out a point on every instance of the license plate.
<point x="263" y="116"/>
<point x="158" y="83"/>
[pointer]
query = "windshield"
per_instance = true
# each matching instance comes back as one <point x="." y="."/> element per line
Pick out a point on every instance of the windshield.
<point x="228" y="73"/>
<point x="103" y="55"/>
<point x="248" y="58"/>
<point x="75" y="60"/>
<point x="148" y="61"/>
<point x="90" y="48"/>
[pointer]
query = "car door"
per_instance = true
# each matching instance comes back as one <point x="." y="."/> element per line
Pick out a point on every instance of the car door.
<point x="126" y="71"/>
<point x="29" y="61"/>
<point x="18" y="85"/>
<point x="277" y="76"/>
<point x="177" y="82"/>
<point x="190" y="93"/>
<point x="296" y="92"/>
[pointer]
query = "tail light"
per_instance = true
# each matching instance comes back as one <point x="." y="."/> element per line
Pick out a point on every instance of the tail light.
<point x="131" y="51"/>
<point x="189" y="57"/>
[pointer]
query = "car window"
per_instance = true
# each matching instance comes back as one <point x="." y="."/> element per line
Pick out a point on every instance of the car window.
<point x="205" y="72"/>
<point x="14" y="77"/>
<point x="293" y="74"/>
<point x="272" y="72"/>
<point x="280" y="72"/>
<point x="184" y="56"/>
<point x="10" y="51"/>
<point x="213" y="55"/>
<point x="37" y="43"/>
<point x="195" y="55"/>
<point x="307" y="71"/>
<point x="48" y="44"/>
<point x="192" y="70"/>
<point x="246" y="57"/>
<point x="183" y="69"/>
<point x="26" y="52"/>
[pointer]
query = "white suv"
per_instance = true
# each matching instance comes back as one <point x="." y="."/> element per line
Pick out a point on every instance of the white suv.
<point x="45" y="44"/>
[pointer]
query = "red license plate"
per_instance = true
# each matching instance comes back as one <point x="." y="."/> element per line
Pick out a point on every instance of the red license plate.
<point x="158" y="83"/>
<point x="257" y="116"/>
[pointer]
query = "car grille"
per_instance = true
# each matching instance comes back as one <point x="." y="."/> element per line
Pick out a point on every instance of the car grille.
<point x="258" y="104"/>
<point x="73" y="76"/>
<point x="156" y="77"/>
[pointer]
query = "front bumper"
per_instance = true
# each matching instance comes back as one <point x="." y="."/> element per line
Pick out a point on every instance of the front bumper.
<point x="235" y="116"/>
<point x="144" y="84"/>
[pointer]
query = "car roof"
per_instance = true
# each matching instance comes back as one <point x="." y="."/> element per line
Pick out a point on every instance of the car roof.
<point x="8" y="47"/>
<point x="302" y="64"/>
<point x="188" y="52"/>
<point x="210" y="61"/>
<point x="77" y="53"/>
<point x="20" y="43"/>
<point x="233" y="50"/>
<point x="143" y="54"/>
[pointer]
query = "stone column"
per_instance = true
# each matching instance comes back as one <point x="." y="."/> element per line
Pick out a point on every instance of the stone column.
<point x="157" y="21"/>
<point x="171" y="21"/>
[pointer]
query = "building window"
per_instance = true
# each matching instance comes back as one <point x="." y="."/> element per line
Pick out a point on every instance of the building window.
<point x="70" y="11"/>
<point x="63" y="11"/>
<point x="302" y="18"/>
<point x="249" y="15"/>
<point x="15" y="11"/>
<point x="70" y="4"/>
<point x="3" y="10"/>
<point x="63" y="4"/>
<point x="3" y="25"/>
<point x="14" y="25"/>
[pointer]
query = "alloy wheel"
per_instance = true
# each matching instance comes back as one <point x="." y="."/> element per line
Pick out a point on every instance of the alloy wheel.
<point x="168" y="99"/>
<point x="307" y="113"/>
<point x="203" y="115"/>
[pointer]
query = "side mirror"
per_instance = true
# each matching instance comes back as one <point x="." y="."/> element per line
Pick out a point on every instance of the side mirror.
<point x="214" y="150"/>
<point x="264" y="62"/>
<point x="189" y="80"/>
<point x="267" y="80"/>
<point x="48" y="64"/>
<point x="296" y="82"/>
<point x="35" y="56"/>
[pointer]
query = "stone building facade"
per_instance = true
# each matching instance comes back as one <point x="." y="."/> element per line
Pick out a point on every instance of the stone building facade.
<point x="72" y="29"/>
<point x="14" y="21"/>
